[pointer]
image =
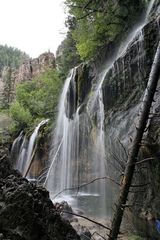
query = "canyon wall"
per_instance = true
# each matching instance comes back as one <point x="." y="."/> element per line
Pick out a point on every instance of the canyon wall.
<point x="9" y="77"/>
<point x="124" y="79"/>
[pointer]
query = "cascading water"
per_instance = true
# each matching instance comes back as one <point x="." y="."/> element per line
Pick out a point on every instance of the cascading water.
<point x="16" y="147"/>
<point x="137" y="30"/>
<point x="65" y="137"/>
<point x="25" y="150"/>
<point x="31" y="147"/>
<point x="20" y="163"/>
<point x="78" y="156"/>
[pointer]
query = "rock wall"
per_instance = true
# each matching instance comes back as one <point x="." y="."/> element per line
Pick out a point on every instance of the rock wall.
<point x="10" y="77"/>
<point x="123" y="89"/>
<point x="127" y="78"/>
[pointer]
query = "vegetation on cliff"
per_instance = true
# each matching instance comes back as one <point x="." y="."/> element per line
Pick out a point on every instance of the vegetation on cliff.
<point x="36" y="100"/>
<point x="11" y="57"/>
<point x="67" y="55"/>
<point x="97" y="23"/>
<point x="92" y="25"/>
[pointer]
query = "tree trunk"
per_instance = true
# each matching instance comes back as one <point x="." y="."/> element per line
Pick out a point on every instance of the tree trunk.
<point x="130" y="167"/>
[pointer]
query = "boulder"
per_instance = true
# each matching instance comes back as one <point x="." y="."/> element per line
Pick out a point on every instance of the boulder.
<point x="26" y="212"/>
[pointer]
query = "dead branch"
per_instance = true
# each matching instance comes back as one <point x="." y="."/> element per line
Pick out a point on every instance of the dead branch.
<point x="85" y="236"/>
<point x="3" y="157"/>
<point x="86" y="184"/>
<point x="88" y="219"/>
<point x="123" y="147"/>
<point x="87" y="4"/>
<point x="99" y="235"/>
<point x="135" y="192"/>
<point x="145" y="160"/>
<point x="42" y="176"/>
<point x="93" y="10"/>
<point x="86" y="15"/>
<point x="118" y="160"/>
<point x="140" y="185"/>
<point x="55" y="156"/>
<point x="113" y="165"/>
<point x="31" y="161"/>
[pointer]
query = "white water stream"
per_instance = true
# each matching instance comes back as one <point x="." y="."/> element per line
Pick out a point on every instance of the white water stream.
<point x="26" y="148"/>
<point x="78" y="154"/>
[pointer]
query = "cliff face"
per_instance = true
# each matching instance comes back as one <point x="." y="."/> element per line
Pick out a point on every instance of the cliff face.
<point x="127" y="78"/>
<point x="124" y="81"/>
<point x="34" y="67"/>
<point x="10" y="77"/>
<point x="123" y="91"/>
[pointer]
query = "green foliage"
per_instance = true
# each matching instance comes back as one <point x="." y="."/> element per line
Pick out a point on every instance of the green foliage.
<point x="8" y="89"/>
<point x="21" y="116"/>
<point x="12" y="57"/>
<point x="67" y="56"/>
<point x="36" y="100"/>
<point x="100" y="22"/>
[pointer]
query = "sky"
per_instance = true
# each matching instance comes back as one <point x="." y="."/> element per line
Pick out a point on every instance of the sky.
<point x="33" y="26"/>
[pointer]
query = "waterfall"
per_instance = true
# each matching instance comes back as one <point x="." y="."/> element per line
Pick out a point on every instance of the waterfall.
<point x="64" y="137"/>
<point x="137" y="30"/>
<point x="25" y="150"/>
<point x="78" y="155"/>
<point x="31" y="145"/>
<point x="16" y="147"/>
<point x="20" y="163"/>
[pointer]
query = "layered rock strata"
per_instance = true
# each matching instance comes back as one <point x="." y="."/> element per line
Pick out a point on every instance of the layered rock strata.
<point x="9" y="77"/>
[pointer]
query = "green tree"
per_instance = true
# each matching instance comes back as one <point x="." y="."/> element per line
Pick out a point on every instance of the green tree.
<point x="22" y="117"/>
<point x="99" y="22"/>
<point x="67" y="55"/>
<point x="11" y="57"/>
<point x="7" y="93"/>
<point x="37" y="98"/>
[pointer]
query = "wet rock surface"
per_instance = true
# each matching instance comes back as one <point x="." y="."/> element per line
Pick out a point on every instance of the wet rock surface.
<point x="26" y="212"/>
<point x="123" y="89"/>
<point x="126" y="80"/>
